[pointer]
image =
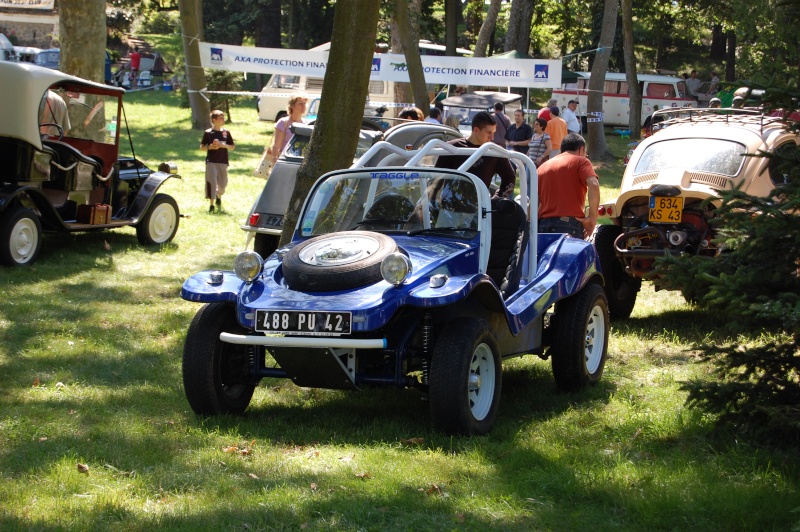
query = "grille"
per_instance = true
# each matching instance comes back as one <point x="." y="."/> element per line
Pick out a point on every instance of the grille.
<point x="644" y="178"/>
<point x="713" y="180"/>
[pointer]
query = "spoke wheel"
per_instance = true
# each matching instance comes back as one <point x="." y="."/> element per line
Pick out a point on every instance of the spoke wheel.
<point x="21" y="236"/>
<point x="466" y="378"/>
<point x="216" y="375"/>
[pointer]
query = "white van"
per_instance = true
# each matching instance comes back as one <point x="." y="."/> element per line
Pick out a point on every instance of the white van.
<point x="658" y="92"/>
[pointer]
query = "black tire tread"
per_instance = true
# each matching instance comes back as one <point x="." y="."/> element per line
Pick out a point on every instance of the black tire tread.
<point x="621" y="299"/>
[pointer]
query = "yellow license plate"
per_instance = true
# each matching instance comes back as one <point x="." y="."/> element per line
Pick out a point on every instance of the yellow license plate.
<point x="665" y="210"/>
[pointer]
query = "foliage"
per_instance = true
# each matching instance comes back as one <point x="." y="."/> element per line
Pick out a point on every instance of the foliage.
<point x="755" y="282"/>
<point x="160" y="22"/>
<point x="223" y="80"/>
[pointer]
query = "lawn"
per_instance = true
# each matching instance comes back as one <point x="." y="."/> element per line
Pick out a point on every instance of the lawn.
<point x="95" y="432"/>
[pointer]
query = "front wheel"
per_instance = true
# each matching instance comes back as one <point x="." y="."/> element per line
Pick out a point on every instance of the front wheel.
<point x="621" y="289"/>
<point x="466" y="377"/>
<point x="160" y="223"/>
<point x="20" y="237"/>
<point x="580" y="343"/>
<point x="216" y="375"/>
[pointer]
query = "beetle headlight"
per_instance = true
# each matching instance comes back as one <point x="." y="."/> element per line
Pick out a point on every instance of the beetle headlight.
<point x="247" y="265"/>
<point x="395" y="268"/>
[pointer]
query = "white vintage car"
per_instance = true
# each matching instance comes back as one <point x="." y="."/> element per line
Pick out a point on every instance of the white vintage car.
<point x="661" y="209"/>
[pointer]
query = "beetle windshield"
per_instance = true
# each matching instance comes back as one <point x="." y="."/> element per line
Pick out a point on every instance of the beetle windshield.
<point x="388" y="201"/>
<point x="699" y="155"/>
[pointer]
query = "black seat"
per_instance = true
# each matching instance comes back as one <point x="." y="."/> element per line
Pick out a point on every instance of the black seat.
<point x="509" y="239"/>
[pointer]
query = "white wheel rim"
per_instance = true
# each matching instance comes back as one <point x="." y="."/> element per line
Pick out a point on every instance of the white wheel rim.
<point x="480" y="382"/>
<point x="24" y="239"/>
<point x="339" y="250"/>
<point x="162" y="223"/>
<point x="595" y="339"/>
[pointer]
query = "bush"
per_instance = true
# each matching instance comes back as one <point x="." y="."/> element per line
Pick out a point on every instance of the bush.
<point x="754" y="283"/>
<point x="160" y="22"/>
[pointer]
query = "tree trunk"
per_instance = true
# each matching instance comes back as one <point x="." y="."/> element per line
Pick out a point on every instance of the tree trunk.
<point x="195" y="76"/>
<point x="635" y="102"/>
<point x="717" y="52"/>
<point x="487" y="29"/>
<point x="524" y="43"/>
<point x="598" y="150"/>
<point x="409" y="41"/>
<point x="83" y="38"/>
<point x="344" y="92"/>
<point x="514" y="23"/>
<point x="451" y="10"/>
<point x="730" y="64"/>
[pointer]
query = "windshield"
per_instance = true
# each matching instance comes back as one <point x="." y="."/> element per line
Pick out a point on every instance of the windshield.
<point x="699" y="155"/>
<point x="427" y="201"/>
<point x="81" y="116"/>
<point x="298" y="145"/>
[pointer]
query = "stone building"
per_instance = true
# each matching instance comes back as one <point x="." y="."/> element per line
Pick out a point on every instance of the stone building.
<point x="30" y="22"/>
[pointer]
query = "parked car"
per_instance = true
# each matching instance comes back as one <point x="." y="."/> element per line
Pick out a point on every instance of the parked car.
<point x="693" y="156"/>
<point x="51" y="58"/>
<point x="406" y="276"/>
<point x="265" y="222"/>
<point x="65" y="175"/>
<point x="27" y="54"/>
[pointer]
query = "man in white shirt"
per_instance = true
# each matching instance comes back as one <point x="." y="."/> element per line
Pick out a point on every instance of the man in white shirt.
<point x="693" y="84"/>
<point x="569" y="116"/>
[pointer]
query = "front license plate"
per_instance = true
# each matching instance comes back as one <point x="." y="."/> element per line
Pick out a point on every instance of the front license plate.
<point x="303" y="323"/>
<point x="665" y="210"/>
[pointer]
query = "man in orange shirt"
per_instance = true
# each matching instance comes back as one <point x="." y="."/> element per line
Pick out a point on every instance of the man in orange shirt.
<point x="557" y="129"/>
<point x="564" y="183"/>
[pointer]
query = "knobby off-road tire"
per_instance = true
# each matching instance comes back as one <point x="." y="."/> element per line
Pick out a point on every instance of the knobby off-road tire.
<point x="621" y="289"/>
<point x="580" y="341"/>
<point x="215" y="374"/>
<point x="466" y="378"/>
<point x="160" y="223"/>
<point x="265" y="245"/>
<point x="336" y="275"/>
<point x="20" y="237"/>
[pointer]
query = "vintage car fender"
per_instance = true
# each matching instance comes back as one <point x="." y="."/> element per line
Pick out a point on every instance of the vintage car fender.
<point x="48" y="214"/>
<point x="146" y="194"/>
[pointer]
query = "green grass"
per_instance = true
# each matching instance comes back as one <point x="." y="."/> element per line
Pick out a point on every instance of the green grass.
<point x="90" y="373"/>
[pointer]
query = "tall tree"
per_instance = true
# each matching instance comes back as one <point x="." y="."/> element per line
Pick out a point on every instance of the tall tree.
<point x="514" y="25"/>
<point x="410" y="42"/>
<point x="451" y="10"/>
<point x="195" y="77"/>
<point x="83" y="38"/>
<point x="635" y="92"/>
<point x="487" y="29"/>
<point x="344" y="92"/>
<point x="598" y="150"/>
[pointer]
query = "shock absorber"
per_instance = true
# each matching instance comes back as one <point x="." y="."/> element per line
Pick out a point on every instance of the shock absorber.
<point x="427" y="339"/>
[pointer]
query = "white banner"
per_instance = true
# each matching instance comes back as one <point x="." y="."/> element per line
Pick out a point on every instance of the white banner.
<point x="28" y="4"/>
<point x="534" y="73"/>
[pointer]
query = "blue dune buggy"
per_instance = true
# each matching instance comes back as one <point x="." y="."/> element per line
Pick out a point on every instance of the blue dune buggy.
<point x="405" y="275"/>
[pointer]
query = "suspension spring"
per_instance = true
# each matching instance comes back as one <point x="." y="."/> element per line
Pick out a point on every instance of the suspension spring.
<point x="427" y="339"/>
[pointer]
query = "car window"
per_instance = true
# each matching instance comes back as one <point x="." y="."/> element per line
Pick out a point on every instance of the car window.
<point x="393" y="201"/>
<point x="700" y="155"/>
<point x="91" y="116"/>
<point x="280" y="81"/>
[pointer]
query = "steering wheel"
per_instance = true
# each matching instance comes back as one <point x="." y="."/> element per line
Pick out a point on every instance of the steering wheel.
<point x="51" y="124"/>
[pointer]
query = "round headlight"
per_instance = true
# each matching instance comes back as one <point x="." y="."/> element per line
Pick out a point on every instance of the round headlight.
<point x="247" y="265"/>
<point x="395" y="268"/>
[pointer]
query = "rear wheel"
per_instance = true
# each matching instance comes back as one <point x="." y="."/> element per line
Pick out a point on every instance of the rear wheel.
<point x="216" y="375"/>
<point x="580" y="340"/>
<point x="621" y="289"/>
<point x="466" y="378"/>
<point x="20" y="237"/>
<point x="160" y="223"/>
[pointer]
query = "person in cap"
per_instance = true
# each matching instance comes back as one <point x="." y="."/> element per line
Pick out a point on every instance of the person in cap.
<point x="714" y="103"/>
<point x="569" y="116"/>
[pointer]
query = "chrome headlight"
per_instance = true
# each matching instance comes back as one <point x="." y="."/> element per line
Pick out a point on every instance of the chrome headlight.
<point x="395" y="268"/>
<point x="248" y="265"/>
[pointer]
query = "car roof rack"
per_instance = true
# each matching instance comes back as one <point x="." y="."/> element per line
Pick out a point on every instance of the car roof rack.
<point x="747" y="116"/>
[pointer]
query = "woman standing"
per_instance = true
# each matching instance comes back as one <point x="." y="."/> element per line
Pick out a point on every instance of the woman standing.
<point x="282" y="135"/>
<point x="540" y="145"/>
